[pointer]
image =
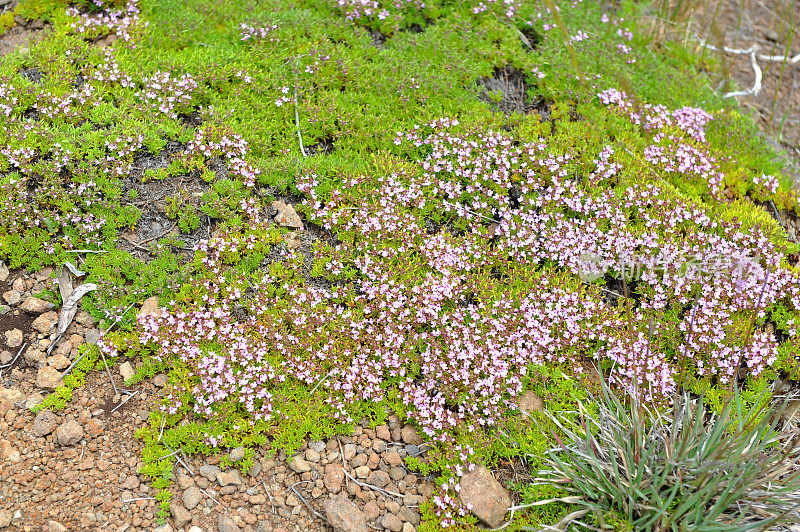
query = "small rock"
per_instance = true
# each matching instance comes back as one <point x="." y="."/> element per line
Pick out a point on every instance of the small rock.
<point x="382" y="432"/>
<point x="8" y="452"/>
<point x="127" y="371"/>
<point x="530" y="402"/>
<point x="312" y="456"/>
<point x="44" y="423"/>
<point x="5" y="357"/>
<point x="33" y="356"/>
<point x="287" y="216"/>
<point x="84" y="318"/>
<point x="236" y="454"/>
<point x="378" y="478"/>
<point x="255" y="469"/>
<point x="166" y="527"/>
<point x="12" y="297"/>
<point x="379" y="446"/>
<point x="229" y="478"/>
<point x="13" y="338"/>
<point x="180" y="515"/>
<point x="94" y="427"/>
<point x="10" y="395"/>
<point x="392" y="522"/>
<point x="149" y="307"/>
<point x="226" y="524"/>
<point x="185" y="481"/>
<point x="410" y="436"/>
<point x="397" y="473"/>
<point x="317" y="445"/>
<point x="3" y="272"/>
<point x="362" y="471"/>
<point x="408" y="515"/>
<point x="772" y="35"/>
<point x="55" y="526"/>
<point x="64" y="348"/>
<point x="160" y="380"/>
<point x="299" y="465"/>
<point x="293" y="241"/>
<point x="5" y="518"/>
<point x="69" y="433"/>
<point x="343" y="515"/>
<point x="484" y="495"/>
<point x="48" y="378"/>
<point x="209" y="471"/>
<point x="334" y="476"/>
<point x="192" y="496"/>
<point x="359" y="460"/>
<point x="45" y="322"/>
<point x="349" y="451"/>
<point x="408" y="527"/>
<point x="195" y="528"/>
<point x="33" y="400"/>
<point x="392" y="459"/>
<point x="371" y="511"/>
<point x="131" y="483"/>
<point x="91" y="336"/>
<point x="34" y="305"/>
<point x="59" y="362"/>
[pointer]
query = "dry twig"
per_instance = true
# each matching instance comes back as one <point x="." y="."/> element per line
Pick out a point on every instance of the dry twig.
<point x="310" y="509"/>
<point x="755" y="57"/>
<point x="371" y="486"/>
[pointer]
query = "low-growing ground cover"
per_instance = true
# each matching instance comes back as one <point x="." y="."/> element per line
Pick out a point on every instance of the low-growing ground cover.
<point x="484" y="199"/>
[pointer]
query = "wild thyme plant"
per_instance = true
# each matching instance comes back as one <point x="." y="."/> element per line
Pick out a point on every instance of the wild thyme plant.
<point x="448" y="267"/>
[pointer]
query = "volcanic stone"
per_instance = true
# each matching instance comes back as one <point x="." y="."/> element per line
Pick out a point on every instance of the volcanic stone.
<point x="45" y="322"/>
<point x="45" y="423"/>
<point x="484" y="495"/>
<point x="34" y="305"/>
<point x="334" y="476"/>
<point x="192" y="497"/>
<point x="343" y="515"/>
<point x="13" y="338"/>
<point x="226" y="524"/>
<point x="69" y="433"/>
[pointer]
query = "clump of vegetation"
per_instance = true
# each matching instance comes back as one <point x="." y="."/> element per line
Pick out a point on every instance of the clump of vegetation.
<point x="681" y="468"/>
<point x="529" y="196"/>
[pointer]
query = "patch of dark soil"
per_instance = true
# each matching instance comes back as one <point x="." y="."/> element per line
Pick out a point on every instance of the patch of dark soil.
<point x="510" y="82"/>
<point x="219" y="167"/>
<point x="316" y="232"/>
<point x="192" y="119"/>
<point x="32" y="74"/>
<point x="31" y="114"/>
<point x="432" y="227"/>
<point x="531" y="38"/>
<point x="322" y="147"/>
<point x="512" y="473"/>
<point x="116" y="404"/>
<point x="378" y="38"/>
<point x="154" y="197"/>
<point x="615" y="289"/>
<point x="13" y="319"/>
